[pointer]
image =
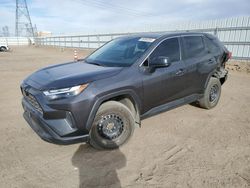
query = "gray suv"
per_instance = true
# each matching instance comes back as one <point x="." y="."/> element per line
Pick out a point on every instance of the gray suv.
<point x="102" y="98"/>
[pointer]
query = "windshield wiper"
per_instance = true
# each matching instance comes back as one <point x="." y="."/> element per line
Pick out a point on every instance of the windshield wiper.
<point x="98" y="64"/>
<point x="93" y="63"/>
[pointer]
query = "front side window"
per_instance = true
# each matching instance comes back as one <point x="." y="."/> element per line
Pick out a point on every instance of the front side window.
<point x="169" y="48"/>
<point x="194" y="46"/>
<point x="122" y="52"/>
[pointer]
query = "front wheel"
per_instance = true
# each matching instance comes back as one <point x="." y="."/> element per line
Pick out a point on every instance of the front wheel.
<point x="212" y="94"/>
<point x="112" y="127"/>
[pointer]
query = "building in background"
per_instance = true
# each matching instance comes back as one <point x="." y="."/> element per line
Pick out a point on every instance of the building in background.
<point x="44" y="34"/>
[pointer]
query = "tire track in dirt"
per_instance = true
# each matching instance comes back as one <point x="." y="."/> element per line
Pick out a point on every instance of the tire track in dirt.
<point x="148" y="174"/>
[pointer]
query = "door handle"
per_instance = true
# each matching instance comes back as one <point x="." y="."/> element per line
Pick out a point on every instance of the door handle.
<point x="180" y="72"/>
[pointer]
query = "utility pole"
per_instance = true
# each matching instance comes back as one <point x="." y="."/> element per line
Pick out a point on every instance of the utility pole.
<point x="35" y="30"/>
<point x="6" y="32"/>
<point x="23" y="22"/>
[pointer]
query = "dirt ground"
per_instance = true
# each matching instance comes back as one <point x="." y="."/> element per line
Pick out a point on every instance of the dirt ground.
<point x="184" y="147"/>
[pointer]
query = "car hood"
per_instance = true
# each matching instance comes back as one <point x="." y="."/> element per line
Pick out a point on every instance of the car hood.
<point x="68" y="75"/>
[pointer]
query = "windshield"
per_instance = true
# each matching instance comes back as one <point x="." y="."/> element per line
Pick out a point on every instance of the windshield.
<point x="120" y="52"/>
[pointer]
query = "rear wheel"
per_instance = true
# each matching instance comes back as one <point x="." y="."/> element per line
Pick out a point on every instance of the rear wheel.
<point x="212" y="94"/>
<point x="113" y="126"/>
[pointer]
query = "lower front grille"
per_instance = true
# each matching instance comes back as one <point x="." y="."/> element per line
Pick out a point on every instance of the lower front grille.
<point x="32" y="100"/>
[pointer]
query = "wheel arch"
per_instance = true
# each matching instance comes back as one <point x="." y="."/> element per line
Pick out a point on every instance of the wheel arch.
<point x="127" y="97"/>
<point x="215" y="75"/>
<point x="211" y="74"/>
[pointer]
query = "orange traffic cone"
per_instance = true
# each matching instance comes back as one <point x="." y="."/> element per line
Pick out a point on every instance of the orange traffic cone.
<point x="75" y="55"/>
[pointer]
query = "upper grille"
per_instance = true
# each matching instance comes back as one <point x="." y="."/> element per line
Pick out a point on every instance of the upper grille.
<point x="32" y="100"/>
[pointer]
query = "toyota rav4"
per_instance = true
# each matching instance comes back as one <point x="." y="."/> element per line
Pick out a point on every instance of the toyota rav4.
<point x="102" y="98"/>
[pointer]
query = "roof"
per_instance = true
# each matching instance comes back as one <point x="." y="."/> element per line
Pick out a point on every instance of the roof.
<point x="157" y="35"/>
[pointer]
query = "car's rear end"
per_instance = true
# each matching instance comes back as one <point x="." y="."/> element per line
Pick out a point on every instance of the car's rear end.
<point x="222" y="55"/>
<point x="224" y="52"/>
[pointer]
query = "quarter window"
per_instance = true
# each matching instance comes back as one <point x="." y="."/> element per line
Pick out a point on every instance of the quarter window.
<point x="211" y="45"/>
<point x="168" y="48"/>
<point x="194" y="46"/>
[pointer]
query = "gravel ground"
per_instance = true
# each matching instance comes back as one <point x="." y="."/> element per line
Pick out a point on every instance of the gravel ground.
<point x="184" y="147"/>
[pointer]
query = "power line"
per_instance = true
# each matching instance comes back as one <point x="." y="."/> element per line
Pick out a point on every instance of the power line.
<point x="115" y="8"/>
<point x="141" y="13"/>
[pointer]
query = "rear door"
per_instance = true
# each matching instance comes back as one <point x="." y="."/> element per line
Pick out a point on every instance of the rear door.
<point x="199" y="63"/>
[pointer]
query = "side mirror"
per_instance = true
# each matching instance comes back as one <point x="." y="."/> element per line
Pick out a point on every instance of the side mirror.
<point x="160" y="61"/>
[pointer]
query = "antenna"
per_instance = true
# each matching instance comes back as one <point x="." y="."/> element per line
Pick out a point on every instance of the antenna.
<point x="23" y="21"/>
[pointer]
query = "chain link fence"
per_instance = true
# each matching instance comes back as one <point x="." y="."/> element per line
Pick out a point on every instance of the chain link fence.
<point x="233" y="32"/>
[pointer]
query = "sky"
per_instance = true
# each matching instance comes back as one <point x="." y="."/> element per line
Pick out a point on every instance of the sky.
<point x="100" y="16"/>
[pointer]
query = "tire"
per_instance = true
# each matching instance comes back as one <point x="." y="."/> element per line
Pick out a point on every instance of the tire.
<point x="112" y="117"/>
<point x="3" y="49"/>
<point x="212" y="94"/>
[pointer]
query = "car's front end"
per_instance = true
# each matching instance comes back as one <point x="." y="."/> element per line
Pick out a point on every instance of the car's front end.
<point x="58" y="121"/>
<point x="58" y="100"/>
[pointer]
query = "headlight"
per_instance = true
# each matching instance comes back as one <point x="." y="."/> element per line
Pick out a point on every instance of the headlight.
<point x="64" y="92"/>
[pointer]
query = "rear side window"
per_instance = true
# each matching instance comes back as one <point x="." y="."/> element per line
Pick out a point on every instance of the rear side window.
<point x="169" y="48"/>
<point x="194" y="46"/>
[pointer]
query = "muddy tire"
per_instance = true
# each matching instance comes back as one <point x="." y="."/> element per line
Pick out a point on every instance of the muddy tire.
<point x="212" y="94"/>
<point x="112" y="127"/>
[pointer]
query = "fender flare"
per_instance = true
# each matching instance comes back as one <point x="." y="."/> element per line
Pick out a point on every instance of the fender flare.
<point x="208" y="78"/>
<point x="103" y="98"/>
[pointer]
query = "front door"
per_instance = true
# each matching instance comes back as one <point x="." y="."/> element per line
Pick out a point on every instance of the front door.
<point x="165" y="84"/>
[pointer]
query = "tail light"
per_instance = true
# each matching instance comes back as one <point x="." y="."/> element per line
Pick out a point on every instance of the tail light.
<point x="229" y="55"/>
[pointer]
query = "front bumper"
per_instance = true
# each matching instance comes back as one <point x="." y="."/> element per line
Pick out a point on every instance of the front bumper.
<point x="45" y="128"/>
